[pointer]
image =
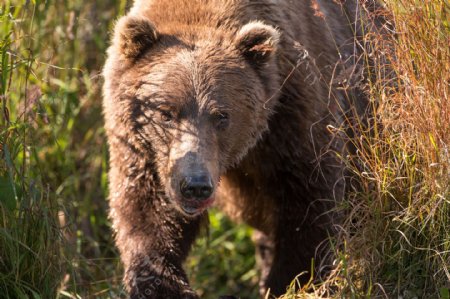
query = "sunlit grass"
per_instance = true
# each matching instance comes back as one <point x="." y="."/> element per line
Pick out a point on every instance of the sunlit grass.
<point x="395" y="241"/>
<point x="54" y="230"/>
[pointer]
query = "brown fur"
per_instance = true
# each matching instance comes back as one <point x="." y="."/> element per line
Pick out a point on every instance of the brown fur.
<point x="175" y="68"/>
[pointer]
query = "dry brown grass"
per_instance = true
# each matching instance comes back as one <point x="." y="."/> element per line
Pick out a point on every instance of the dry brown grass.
<point x="395" y="242"/>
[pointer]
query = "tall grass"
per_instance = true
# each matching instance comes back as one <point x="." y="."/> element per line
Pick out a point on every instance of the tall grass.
<point x="54" y="236"/>
<point x="395" y="242"/>
<point x="408" y="161"/>
<point x="30" y="238"/>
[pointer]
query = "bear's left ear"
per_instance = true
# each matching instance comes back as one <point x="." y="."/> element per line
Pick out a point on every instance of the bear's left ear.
<point x="133" y="35"/>
<point x="257" y="41"/>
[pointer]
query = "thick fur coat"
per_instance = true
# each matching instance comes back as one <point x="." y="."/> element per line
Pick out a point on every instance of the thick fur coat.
<point x="228" y="103"/>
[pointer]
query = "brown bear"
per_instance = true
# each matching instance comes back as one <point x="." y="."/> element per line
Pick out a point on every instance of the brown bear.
<point x="226" y="102"/>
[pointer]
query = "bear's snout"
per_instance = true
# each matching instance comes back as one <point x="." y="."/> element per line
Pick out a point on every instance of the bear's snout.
<point x="196" y="193"/>
<point x="197" y="187"/>
<point x="192" y="183"/>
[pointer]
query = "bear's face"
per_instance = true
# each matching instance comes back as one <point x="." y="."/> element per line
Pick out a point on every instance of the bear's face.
<point x="198" y="102"/>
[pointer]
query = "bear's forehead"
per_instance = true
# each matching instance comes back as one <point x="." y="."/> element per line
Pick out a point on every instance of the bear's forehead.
<point x="189" y="74"/>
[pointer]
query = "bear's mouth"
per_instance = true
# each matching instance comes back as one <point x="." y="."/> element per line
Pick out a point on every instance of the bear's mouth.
<point x="195" y="207"/>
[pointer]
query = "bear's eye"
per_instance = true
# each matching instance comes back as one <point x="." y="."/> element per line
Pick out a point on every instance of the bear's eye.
<point x="222" y="120"/>
<point x="166" y="113"/>
<point x="166" y="116"/>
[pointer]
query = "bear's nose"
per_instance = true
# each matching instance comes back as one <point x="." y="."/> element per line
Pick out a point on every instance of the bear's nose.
<point x="196" y="187"/>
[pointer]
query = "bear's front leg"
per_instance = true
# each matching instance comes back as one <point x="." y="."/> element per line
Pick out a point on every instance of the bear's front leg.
<point x="301" y="248"/>
<point x="154" y="240"/>
<point x="156" y="277"/>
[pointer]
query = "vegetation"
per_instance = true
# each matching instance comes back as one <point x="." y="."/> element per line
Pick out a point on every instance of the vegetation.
<point x="396" y="238"/>
<point x="54" y="234"/>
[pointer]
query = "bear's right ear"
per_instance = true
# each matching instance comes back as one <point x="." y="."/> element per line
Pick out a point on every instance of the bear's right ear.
<point x="257" y="41"/>
<point x="133" y="35"/>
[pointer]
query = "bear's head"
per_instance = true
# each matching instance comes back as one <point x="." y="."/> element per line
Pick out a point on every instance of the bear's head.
<point x="196" y="99"/>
